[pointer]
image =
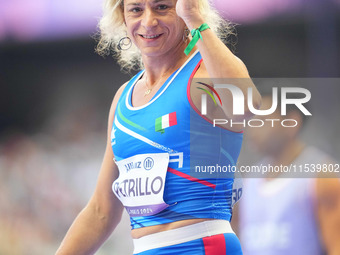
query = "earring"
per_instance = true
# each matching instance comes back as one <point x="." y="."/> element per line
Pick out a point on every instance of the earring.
<point x="186" y="34"/>
<point x="125" y="43"/>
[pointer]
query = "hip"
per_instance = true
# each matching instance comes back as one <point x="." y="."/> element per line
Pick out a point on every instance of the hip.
<point x="203" y="238"/>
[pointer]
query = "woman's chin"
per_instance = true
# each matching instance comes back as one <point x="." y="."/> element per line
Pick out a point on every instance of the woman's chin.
<point x="151" y="51"/>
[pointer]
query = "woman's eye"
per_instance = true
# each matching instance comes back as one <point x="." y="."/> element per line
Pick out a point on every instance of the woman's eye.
<point x="136" y="9"/>
<point x="162" y="7"/>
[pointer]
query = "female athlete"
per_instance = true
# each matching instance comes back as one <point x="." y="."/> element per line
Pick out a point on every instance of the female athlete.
<point x="162" y="132"/>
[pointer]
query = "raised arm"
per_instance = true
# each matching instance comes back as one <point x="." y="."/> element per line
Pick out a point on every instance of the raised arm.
<point x="218" y="60"/>
<point x="98" y="219"/>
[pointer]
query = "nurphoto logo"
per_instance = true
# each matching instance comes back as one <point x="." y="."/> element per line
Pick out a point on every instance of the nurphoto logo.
<point x="239" y="104"/>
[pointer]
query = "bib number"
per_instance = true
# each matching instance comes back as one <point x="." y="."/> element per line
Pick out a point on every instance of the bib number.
<point x="141" y="181"/>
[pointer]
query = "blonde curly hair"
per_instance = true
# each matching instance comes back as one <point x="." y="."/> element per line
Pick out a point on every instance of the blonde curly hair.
<point x="112" y="29"/>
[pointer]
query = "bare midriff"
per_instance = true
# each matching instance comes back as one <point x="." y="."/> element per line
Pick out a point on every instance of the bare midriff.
<point x="140" y="232"/>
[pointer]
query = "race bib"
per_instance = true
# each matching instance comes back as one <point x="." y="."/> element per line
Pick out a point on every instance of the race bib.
<point x="141" y="181"/>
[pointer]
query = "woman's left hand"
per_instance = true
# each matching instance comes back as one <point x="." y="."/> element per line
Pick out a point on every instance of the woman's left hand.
<point x="188" y="10"/>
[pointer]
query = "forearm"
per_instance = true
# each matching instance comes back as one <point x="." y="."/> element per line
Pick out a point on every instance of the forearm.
<point x="218" y="59"/>
<point x="88" y="232"/>
<point x="221" y="63"/>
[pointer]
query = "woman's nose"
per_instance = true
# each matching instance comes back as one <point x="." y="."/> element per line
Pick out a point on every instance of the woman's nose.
<point x="149" y="18"/>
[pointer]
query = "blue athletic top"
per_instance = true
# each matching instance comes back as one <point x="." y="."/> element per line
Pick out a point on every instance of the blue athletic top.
<point x="171" y="123"/>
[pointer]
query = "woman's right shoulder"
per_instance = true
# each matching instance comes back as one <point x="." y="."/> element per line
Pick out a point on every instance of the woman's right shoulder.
<point x="121" y="89"/>
<point x="116" y="98"/>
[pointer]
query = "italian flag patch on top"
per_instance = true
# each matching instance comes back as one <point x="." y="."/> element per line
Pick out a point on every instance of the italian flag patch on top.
<point x="165" y="121"/>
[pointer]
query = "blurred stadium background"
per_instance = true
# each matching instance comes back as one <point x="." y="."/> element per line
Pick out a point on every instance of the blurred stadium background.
<point x="56" y="93"/>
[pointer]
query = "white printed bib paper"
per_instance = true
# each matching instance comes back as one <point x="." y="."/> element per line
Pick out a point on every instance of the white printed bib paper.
<point x="141" y="181"/>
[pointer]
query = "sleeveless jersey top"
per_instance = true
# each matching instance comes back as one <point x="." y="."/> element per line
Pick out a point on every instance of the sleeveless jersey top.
<point x="171" y="124"/>
<point x="278" y="217"/>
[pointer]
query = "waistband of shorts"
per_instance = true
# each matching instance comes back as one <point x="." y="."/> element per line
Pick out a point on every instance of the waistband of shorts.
<point x="182" y="235"/>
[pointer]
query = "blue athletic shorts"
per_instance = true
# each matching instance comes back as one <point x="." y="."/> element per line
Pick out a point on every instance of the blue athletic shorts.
<point x="222" y="244"/>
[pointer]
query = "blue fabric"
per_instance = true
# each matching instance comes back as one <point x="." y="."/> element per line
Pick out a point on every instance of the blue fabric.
<point x="196" y="247"/>
<point x="192" y="137"/>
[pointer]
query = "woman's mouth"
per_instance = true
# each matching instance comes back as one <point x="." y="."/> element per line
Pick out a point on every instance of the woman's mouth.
<point x="150" y="37"/>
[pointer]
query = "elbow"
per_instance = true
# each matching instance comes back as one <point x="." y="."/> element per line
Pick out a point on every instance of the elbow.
<point x="106" y="211"/>
<point x="251" y="106"/>
<point x="257" y="100"/>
